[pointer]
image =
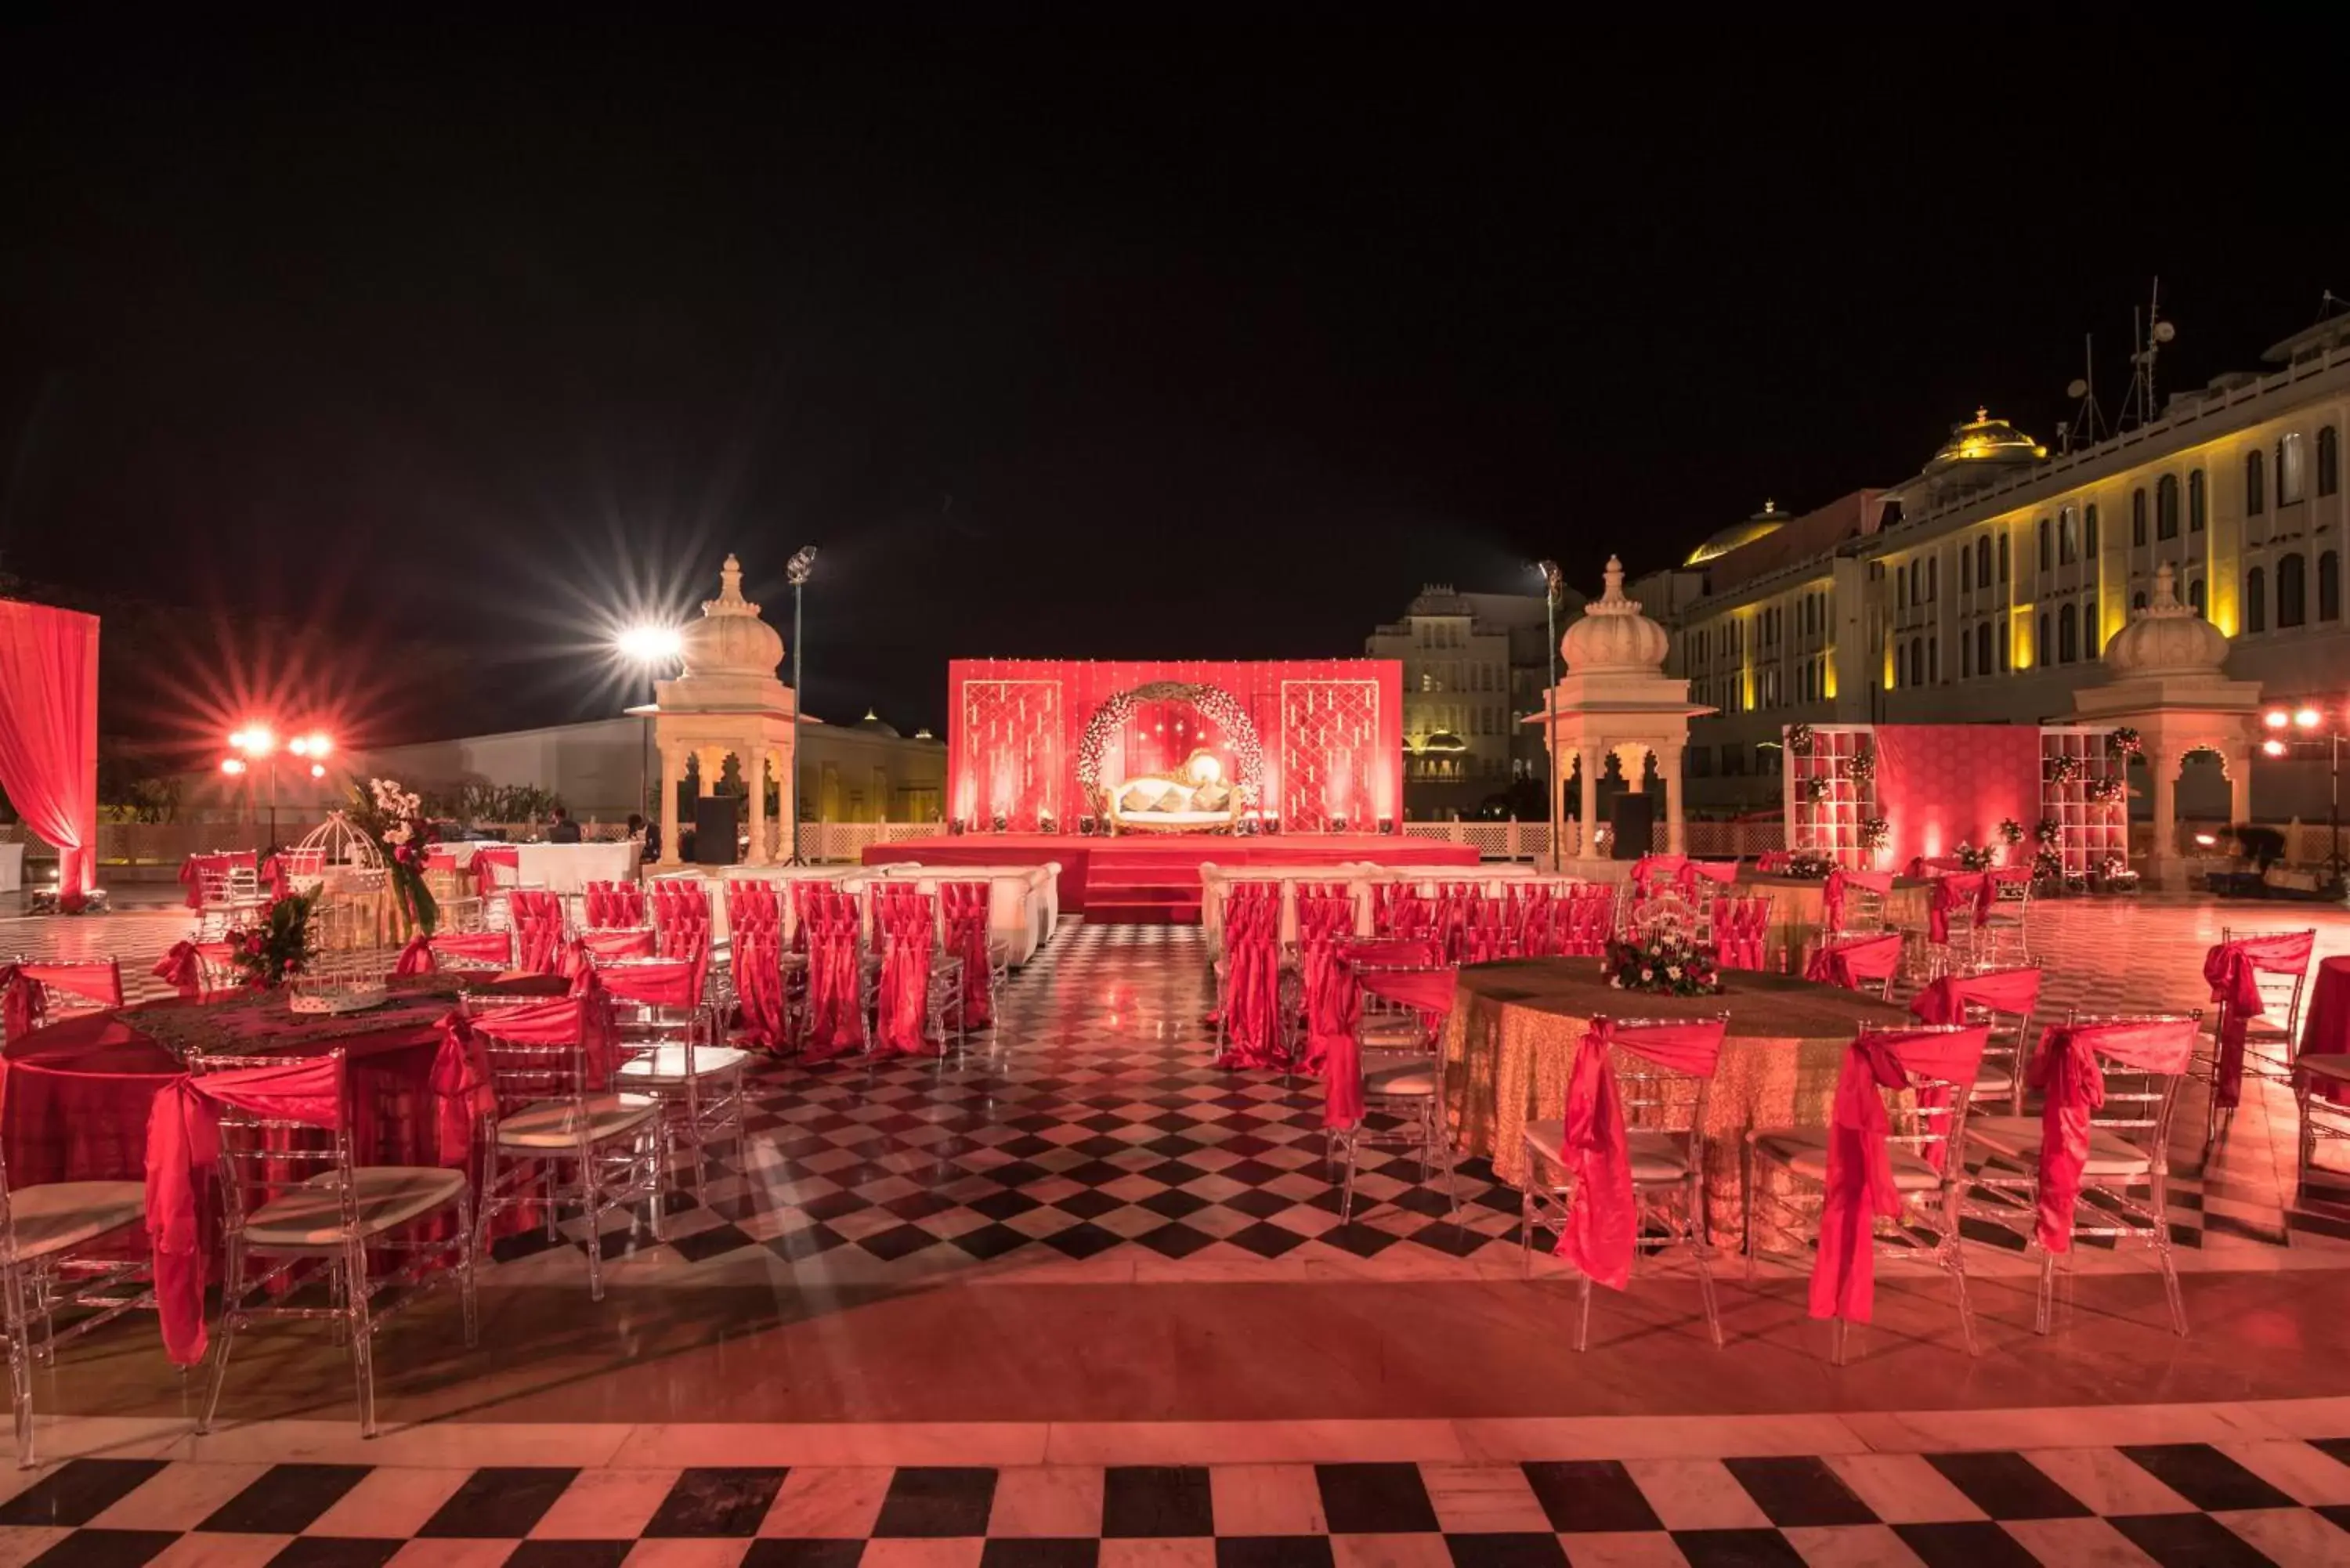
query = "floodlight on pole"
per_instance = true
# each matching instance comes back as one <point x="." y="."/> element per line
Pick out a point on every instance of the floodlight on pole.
<point x="652" y="646"/>
<point x="796" y="572"/>
<point x="1552" y="585"/>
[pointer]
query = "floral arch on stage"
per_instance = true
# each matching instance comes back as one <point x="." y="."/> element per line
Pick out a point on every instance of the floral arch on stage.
<point x="1214" y="704"/>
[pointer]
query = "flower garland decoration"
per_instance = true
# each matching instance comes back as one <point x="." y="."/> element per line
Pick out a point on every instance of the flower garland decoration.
<point x="2048" y="866"/>
<point x="1799" y="740"/>
<point x="2048" y="832"/>
<point x="2123" y="742"/>
<point x="1817" y="790"/>
<point x="2108" y="791"/>
<point x="1875" y="831"/>
<point x="280" y="947"/>
<point x="2113" y="868"/>
<point x="1808" y="864"/>
<point x="1862" y="765"/>
<point x="1975" y="859"/>
<point x="2066" y="770"/>
<point x="2011" y="832"/>
<point x="1668" y="964"/>
<point x="394" y="818"/>
<point x="1212" y="701"/>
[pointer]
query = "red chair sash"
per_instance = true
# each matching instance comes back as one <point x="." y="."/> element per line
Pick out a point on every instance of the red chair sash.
<point x="758" y="956"/>
<point x="183" y="967"/>
<point x="440" y="859"/>
<point x="610" y="903"/>
<point x="2001" y="990"/>
<point x="2073" y="1086"/>
<point x="475" y="947"/>
<point x="1860" y="1160"/>
<point x="834" y="1000"/>
<point x="2232" y="970"/>
<point x="903" y="1005"/>
<point x="1604" y="1220"/>
<point x="415" y="957"/>
<point x="1252" y="997"/>
<point x="538" y="921"/>
<point x="24" y="988"/>
<point x="1693" y="872"/>
<point x="1831" y="891"/>
<point x="623" y="943"/>
<point x="1650" y="869"/>
<point x="1953" y="891"/>
<point x="486" y="859"/>
<point x="652" y="983"/>
<point x="1742" y="931"/>
<point x="1854" y="964"/>
<point x="1588" y="919"/>
<point x="1773" y="862"/>
<point x="751" y="904"/>
<point x="965" y="916"/>
<point x="1322" y="914"/>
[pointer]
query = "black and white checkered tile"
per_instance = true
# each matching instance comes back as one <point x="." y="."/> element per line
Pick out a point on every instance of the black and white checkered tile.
<point x="2257" y="1502"/>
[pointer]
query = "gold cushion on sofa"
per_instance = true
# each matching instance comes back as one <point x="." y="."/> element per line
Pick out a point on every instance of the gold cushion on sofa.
<point x="1139" y="797"/>
<point x="1211" y="797"/>
<point x="1176" y="798"/>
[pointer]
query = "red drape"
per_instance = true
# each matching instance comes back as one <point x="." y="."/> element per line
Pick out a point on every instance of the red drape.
<point x="1860" y="1163"/>
<point x="1602" y="1225"/>
<point x="48" y="732"/>
<point x="2073" y="1086"/>
<point x="2232" y="969"/>
<point x="1854" y="964"/>
<point x="2000" y="990"/>
<point x="1832" y="892"/>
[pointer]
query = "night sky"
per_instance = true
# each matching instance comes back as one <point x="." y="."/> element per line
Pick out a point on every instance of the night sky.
<point x="1214" y="343"/>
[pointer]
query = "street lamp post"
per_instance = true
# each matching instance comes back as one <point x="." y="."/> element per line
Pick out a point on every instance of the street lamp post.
<point x="1551" y="584"/>
<point x="2305" y="719"/>
<point x="796" y="571"/>
<point x="650" y="647"/>
<point x="258" y="742"/>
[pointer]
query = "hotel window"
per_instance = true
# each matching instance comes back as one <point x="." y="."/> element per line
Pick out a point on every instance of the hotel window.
<point x="1933" y="579"/>
<point x="2093" y="530"/>
<point x="2292" y="590"/>
<point x="2044" y="544"/>
<point x="2002" y="557"/>
<point x="1900" y="584"/>
<point x="2046" y="645"/>
<point x="1917" y="662"/>
<point x="2255" y="476"/>
<point x="1934" y="660"/>
<point x="2329" y="461"/>
<point x="1983" y="648"/>
<point x="2137" y="600"/>
<point x="2256" y="600"/>
<point x="1982" y="561"/>
<point x="2195" y="596"/>
<point x="2068" y="635"/>
<point x="2004" y="635"/>
<point x="2068" y="537"/>
<point x="2329" y="586"/>
<point x="2197" y="507"/>
<point x="2165" y="507"/>
<point x="2289" y="475"/>
<point x="1966" y="657"/>
<point x="2137" y="517"/>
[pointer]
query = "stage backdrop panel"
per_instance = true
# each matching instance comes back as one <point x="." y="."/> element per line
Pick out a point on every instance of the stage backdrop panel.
<point x="1939" y="784"/>
<point x="1325" y="736"/>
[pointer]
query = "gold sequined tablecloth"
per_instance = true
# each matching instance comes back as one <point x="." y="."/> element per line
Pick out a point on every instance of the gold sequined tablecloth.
<point x="1799" y="909"/>
<point x="1516" y="1025"/>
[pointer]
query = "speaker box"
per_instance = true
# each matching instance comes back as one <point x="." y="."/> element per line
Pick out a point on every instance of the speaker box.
<point x="1631" y="817"/>
<point x="717" y="819"/>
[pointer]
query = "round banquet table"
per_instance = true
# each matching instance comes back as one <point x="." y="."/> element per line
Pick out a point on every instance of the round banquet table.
<point x="1799" y="910"/>
<point x="2325" y="1027"/>
<point x="1516" y="1026"/>
<point x="78" y="1092"/>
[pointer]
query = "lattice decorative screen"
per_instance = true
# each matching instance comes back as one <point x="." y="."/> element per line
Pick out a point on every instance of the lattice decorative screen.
<point x="1012" y="741"/>
<point x="1329" y="747"/>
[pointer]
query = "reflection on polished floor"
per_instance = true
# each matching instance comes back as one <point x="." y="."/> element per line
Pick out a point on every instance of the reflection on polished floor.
<point x="1090" y="1251"/>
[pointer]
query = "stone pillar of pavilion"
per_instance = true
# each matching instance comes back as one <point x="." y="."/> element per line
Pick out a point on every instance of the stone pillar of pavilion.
<point x="726" y="700"/>
<point x="2164" y="678"/>
<point x="1615" y="698"/>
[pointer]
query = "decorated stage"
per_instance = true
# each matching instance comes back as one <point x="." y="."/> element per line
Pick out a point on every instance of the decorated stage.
<point x="1156" y="879"/>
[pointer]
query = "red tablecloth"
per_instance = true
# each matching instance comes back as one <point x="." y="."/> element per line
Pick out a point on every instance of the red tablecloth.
<point x="2325" y="1027"/>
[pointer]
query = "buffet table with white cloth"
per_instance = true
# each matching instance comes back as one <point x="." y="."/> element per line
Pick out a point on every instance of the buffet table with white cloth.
<point x="562" y="867"/>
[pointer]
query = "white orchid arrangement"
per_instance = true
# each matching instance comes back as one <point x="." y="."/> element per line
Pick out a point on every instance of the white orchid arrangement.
<point x="394" y="817"/>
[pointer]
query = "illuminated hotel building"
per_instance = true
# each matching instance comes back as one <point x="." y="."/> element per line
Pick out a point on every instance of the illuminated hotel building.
<point x="1983" y="589"/>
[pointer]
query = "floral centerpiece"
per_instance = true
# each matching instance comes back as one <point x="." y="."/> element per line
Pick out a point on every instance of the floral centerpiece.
<point x="2066" y="770"/>
<point x="1809" y="864"/>
<point x="2115" y="871"/>
<point x="2011" y="832"/>
<point x="1975" y="859"/>
<point x="280" y="947"/>
<point x="1862" y="765"/>
<point x="1799" y="740"/>
<point x="2107" y="790"/>
<point x="394" y="819"/>
<point x="1817" y="790"/>
<point x="2048" y="833"/>
<point x="1875" y="831"/>
<point x="1667" y="962"/>
<point x="2123" y="742"/>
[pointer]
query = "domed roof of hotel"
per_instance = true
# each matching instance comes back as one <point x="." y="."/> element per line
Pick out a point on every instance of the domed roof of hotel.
<point x="1443" y="741"/>
<point x="874" y="724"/>
<point x="730" y="639"/>
<point x="2166" y="638"/>
<point x="1614" y="637"/>
<point x="1761" y="526"/>
<point x="1984" y="440"/>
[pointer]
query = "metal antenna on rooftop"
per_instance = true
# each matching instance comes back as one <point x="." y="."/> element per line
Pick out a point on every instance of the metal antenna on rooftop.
<point x="2087" y="426"/>
<point x="2139" y="406"/>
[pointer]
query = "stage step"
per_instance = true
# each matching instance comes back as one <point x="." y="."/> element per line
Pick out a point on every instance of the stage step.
<point x="1140" y="890"/>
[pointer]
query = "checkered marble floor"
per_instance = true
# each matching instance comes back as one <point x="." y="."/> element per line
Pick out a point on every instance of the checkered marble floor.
<point x="2257" y="1501"/>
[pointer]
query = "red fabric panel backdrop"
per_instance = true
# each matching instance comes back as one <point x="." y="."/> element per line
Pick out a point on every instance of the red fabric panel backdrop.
<point x="1330" y="731"/>
<point x="49" y="731"/>
<point x="1939" y="783"/>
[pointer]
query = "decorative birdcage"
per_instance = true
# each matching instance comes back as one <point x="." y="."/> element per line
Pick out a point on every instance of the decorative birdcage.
<point x="339" y="857"/>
